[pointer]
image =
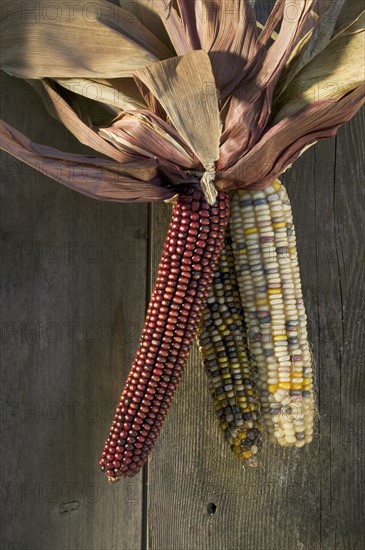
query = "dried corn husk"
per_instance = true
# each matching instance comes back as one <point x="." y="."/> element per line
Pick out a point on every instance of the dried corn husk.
<point x="239" y="112"/>
<point x="302" y="128"/>
<point x="150" y="137"/>
<point x="337" y="69"/>
<point x="95" y="177"/>
<point x="351" y="11"/>
<point x="121" y="94"/>
<point x="147" y="13"/>
<point x="186" y="89"/>
<point x="38" y="40"/>
<point x="312" y="43"/>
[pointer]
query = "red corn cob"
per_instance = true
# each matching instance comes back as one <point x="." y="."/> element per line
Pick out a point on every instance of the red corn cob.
<point x="191" y="252"/>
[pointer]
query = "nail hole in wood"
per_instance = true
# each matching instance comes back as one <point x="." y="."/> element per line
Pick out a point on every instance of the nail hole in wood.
<point x="211" y="508"/>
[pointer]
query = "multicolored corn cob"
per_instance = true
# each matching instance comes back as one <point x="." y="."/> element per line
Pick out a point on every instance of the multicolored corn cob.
<point x="269" y="281"/>
<point x="223" y="344"/>
<point x="308" y="395"/>
<point x="191" y="252"/>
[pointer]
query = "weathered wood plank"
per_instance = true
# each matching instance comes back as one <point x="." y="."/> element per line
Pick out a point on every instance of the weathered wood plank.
<point x="349" y="226"/>
<point x="295" y="499"/>
<point x="73" y="291"/>
<point x="73" y="294"/>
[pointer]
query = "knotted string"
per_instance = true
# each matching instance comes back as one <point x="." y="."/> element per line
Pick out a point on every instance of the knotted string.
<point x="207" y="179"/>
<point x="207" y="183"/>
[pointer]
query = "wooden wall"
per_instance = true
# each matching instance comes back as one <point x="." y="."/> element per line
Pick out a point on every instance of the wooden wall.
<point x="75" y="278"/>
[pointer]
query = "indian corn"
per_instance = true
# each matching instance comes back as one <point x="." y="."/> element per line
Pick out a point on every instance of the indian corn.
<point x="190" y="256"/>
<point x="268" y="277"/>
<point x="223" y="344"/>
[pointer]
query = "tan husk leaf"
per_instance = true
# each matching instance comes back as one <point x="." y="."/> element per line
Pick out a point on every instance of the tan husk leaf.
<point x="186" y="89"/>
<point x="311" y="45"/>
<point x="148" y="14"/>
<point x="338" y="68"/>
<point x="61" y="110"/>
<point x="81" y="39"/>
<point x="121" y="93"/>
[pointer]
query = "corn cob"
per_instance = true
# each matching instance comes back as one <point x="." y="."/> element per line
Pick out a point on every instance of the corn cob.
<point x="190" y="256"/>
<point x="268" y="276"/>
<point x="223" y="344"/>
<point x="308" y="396"/>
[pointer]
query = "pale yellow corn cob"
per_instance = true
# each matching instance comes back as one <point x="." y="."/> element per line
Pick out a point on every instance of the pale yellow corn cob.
<point x="269" y="281"/>
<point x="308" y="401"/>
<point x="223" y="344"/>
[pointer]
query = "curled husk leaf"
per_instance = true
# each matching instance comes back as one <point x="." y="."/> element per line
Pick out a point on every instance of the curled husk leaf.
<point x="180" y="93"/>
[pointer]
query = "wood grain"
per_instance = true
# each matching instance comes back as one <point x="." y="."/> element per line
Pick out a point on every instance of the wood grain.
<point x="298" y="498"/>
<point x="73" y="293"/>
<point x="75" y="277"/>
